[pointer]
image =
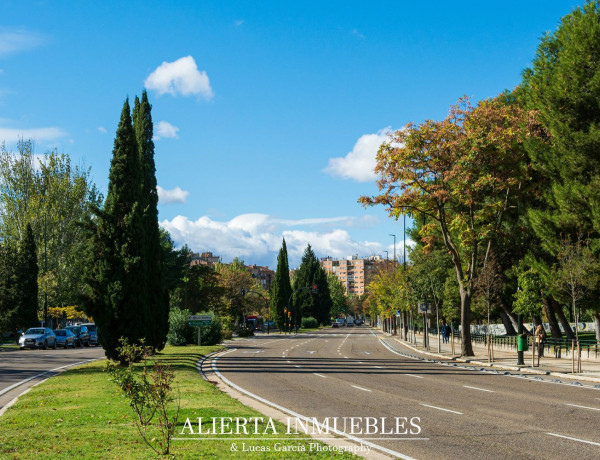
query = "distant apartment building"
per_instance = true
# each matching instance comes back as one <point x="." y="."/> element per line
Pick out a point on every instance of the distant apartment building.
<point x="355" y="273"/>
<point x="264" y="275"/>
<point x="205" y="258"/>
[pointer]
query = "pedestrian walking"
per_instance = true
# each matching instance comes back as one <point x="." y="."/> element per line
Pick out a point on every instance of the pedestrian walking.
<point x="540" y="337"/>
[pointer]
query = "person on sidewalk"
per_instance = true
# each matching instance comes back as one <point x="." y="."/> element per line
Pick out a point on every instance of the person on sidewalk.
<point x="445" y="330"/>
<point x="540" y="337"/>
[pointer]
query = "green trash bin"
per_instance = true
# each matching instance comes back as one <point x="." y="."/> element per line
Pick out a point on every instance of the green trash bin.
<point x="522" y="344"/>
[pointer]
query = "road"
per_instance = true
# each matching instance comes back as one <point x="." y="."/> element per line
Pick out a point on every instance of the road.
<point x="20" y="365"/>
<point x="462" y="412"/>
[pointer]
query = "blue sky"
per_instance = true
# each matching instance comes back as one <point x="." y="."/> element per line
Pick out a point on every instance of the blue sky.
<point x="268" y="114"/>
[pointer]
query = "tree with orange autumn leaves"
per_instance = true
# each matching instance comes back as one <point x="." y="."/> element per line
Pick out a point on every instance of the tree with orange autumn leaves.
<point x="462" y="173"/>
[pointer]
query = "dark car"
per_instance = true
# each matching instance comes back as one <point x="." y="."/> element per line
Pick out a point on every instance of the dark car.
<point x="37" y="337"/>
<point x="93" y="331"/>
<point x="358" y="322"/>
<point x="82" y="336"/>
<point x="64" y="338"/>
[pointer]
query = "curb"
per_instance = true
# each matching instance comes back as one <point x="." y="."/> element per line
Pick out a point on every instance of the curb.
<point x="498" y="366"/>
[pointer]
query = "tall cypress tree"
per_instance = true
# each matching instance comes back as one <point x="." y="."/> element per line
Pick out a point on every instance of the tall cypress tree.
<point x="281" y="288"/>
<point x="8" y="288"/>
<point x="27" y="282"/>
<point x="156" y="299"/>
<point x="307" y="303"/>
<point x="117" y="287"/>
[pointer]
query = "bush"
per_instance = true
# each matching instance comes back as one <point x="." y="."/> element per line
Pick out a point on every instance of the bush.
<point x="227" y="334"/>
<point x="309" y="323"/>
<point x="182" y="334"/>
<point x="179" y="331"/>
<point x="245" y="333"/>
<point x="213" y="334"/>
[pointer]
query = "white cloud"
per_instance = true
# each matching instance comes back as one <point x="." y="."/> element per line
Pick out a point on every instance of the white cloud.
<point x="361" y="161"/>
<point x="16" y="40"/>
<point x="11" y="135"/>
<point x="171" y="196"/>
<point x="180" y="77"/>
<point x="256" y="238"/>
<point x="165" y="130"/>
<point x="238" y="23"/>
<point x="102" y="129"/>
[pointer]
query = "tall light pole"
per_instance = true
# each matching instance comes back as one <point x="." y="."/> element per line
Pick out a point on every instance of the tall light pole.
<point x="404" y="243"/>
<point x="394" y="246"/>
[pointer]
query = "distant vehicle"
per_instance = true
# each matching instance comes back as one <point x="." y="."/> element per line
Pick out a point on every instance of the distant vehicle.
<point x="93" y="331"/>
<point x="358" y="322"/>
<point x="341" y="322"/>
<point x="349" y="323"/>
<point x="82" y="336"/>
<point x="64" y="338"/>
<point x="335" y="324"/>
<point x="37" y="337"/>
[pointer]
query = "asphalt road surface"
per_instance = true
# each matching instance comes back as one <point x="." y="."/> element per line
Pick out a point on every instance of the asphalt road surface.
<point x="32" y="366"/>
<point x="462" y="412"/>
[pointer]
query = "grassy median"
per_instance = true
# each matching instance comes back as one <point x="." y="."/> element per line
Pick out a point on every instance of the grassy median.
<point x="81" y="414"/>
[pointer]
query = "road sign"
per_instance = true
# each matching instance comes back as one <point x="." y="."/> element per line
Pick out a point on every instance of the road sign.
<point x="424" y="307"/>
<point x="199" y="320"/>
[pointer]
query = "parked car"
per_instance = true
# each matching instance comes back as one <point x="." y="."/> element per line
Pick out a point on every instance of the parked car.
<point x="93" y="331"/>
<point x="82" y="336"/>
<point x="37" y="337"/>
<point x="334" y="323"/>
<point x="358" y="322"/>
<point x="64" y="338"/>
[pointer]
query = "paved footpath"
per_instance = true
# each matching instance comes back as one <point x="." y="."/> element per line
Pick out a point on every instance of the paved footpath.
<point x="506" y="358"/>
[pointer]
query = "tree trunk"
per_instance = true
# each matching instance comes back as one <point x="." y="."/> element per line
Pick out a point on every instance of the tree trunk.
<point x="552" y="321"/>
<point x="508" y="325"/>
<point x="563" y="320"/>
<point x="465" y="320"/>
<point x="597" y="324"/>
<point x="537" y="320"/>
<point x="512" y="318"/>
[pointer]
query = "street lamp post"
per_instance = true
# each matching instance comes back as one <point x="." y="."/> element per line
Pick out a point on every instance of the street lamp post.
<point x="387" y="258"/>
<point x="391" y="234"/>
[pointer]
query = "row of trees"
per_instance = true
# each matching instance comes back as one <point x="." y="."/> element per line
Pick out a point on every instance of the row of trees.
<point x="506" y="193"/>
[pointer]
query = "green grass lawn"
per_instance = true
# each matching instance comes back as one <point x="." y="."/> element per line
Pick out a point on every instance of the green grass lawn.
<point x="81" y="414"/>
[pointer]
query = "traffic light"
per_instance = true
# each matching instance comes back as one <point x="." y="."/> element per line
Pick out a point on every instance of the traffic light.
<point x="314" y="288"/>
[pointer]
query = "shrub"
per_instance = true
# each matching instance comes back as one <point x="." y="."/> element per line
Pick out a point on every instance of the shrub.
<point x="213" y="334"/>
<point x="309" y="323"/>
<point x="245" y="332"/>
<point x="179" y="331"/>
<point x="182" y="334"/>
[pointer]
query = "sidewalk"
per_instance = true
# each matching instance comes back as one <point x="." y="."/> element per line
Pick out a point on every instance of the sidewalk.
<point x="506" y="358"/>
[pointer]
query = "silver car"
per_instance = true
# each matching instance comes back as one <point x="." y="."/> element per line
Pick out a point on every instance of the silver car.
<point x="37" y="337"/>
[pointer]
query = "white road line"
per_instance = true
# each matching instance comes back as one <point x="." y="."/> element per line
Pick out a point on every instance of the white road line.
<point x="297" y="366"/>
<point x="15" y="385"/>
<point x="583" y="407"/>
<point x="415" y="376"/>
<point x="360" y="388"/>
<point x="379" y="367"/>
<point x="304" y="418"/>
<point x="367" y="352"/>
<point x="441" y="408"/>
<point x="574" y="439"/>
<point x="480" y="389"/>
<point x="289" y="362"/>
<point x="320" y="375"/>
<point x="345" y="357"/>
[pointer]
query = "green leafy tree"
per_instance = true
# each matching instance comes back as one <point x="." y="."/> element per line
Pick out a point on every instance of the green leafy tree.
<point x="563" y="87"/>
<point x="463" y="173"/>
<point x="339" y="301"/>
<point x="528" y="301"/>
<point x="55" y="198"/>
<point x="281" y="288"/>
<point x="116" y="278"/>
